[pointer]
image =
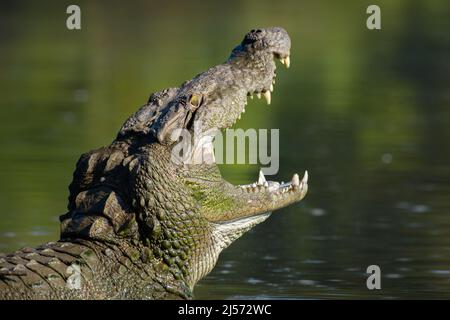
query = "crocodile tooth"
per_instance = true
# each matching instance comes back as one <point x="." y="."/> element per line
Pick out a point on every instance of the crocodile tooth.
<point x="251" y="96"/>
<point x="305" y="177"/>
<point x="282" y="60"/>
<point x="239" y="116"/>
<point x="243" y="111"/>
<point x="295" y="180"/>
<point x="258" y="95"/>
<point x="266" y="184"/>
<point x="267" y="96"/>
<point x="271" y="86"/>
<point x="262" y="178"/>
<point x="287" y="61"/>
<point x="274" y="186"/>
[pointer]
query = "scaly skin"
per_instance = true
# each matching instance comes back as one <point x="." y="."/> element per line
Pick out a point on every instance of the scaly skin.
<point x="141" y="225"/>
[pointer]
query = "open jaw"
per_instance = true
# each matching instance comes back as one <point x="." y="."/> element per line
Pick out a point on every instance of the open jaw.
<point x="255" y="201"/>
<point x="278" y="189"/>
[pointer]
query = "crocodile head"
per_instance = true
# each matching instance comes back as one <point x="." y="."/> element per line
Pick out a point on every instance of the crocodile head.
<point x="183" y="211"/>
<point x="216" y="98"/>
<point x="212" y="101"/>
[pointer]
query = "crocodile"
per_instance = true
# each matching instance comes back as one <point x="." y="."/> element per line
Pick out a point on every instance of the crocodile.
<point x="141" y="224"/>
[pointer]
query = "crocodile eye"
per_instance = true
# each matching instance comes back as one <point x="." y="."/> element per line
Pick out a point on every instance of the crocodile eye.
<point x="195" y="100"/>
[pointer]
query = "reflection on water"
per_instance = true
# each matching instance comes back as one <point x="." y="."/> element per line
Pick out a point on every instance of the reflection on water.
<point x="367" y="113"/>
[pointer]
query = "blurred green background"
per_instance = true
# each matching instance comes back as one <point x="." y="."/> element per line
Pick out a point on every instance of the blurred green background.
<point x="366" y="112"/>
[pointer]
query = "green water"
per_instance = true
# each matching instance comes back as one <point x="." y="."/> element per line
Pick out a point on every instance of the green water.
<point x="366" y="112"/>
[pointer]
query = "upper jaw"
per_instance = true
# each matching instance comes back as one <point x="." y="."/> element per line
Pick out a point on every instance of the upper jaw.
<point x="259" y="73"/>
<point x="267" y="85"/>
<point x="265" y="89"/>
